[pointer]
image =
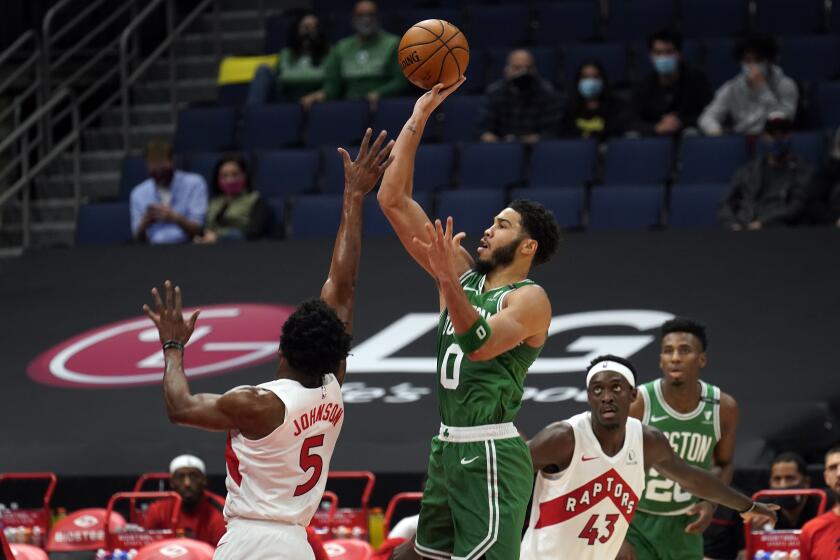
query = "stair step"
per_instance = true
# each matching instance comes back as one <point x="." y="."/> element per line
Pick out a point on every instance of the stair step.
<point x="153" y="113"/>
<point x="96" y="161"/>
<point x="232" y="42"/>
<point x="237" y="19"/>
<point x="187" y="91"/>
<point x="186" y="67"/>
<point x="111" y="138"/>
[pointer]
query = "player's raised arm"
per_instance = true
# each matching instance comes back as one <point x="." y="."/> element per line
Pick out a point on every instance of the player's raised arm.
<point x="406" y="216"/>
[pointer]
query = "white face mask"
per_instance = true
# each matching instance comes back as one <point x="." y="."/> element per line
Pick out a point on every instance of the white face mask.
<point x="764" y="68"/>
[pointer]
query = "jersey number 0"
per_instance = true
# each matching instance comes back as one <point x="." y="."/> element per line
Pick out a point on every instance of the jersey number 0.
<point x="453" y="357"/>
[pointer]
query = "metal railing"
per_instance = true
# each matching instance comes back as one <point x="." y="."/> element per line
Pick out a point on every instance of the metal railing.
<point x="28" y="43"/>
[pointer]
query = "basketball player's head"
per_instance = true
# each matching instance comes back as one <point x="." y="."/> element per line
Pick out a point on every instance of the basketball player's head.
<point x="682" y="351"/>
<point x="314" y="340"/>
<point x="188" y="477"/>
<point x="832" y="471"/>
<point x="610" y="388"/>
<point x="524" y="234"/>
<point x="160" y="163"/>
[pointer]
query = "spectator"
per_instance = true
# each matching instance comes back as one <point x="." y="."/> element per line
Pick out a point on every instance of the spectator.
<point x="747" y="99"/>
<point x="169" y="207"/>
<point x="300" y="66"/>
<point x="774" y="187"/>
<point x="201" y="510"/>
<point x="671" y="98"/>
<point x="789" y="472"/>
<point x="592" y="111"/>
<point x="522" y="106"/>
<point x="236" y="212"/>
<point x="363" y="66"/>
<point x="821" y="536"/>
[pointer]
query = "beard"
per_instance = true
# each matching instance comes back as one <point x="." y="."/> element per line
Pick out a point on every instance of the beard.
<point x="501" y="257"/>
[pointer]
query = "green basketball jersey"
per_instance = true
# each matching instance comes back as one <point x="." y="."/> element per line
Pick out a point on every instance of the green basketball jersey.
<point x="487" y="392"/>
<point x="693" y="436"/>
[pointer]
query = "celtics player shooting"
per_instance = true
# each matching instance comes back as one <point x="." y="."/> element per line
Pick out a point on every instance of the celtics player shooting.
<point x="493" y="324"/>
<point x="699" y="421"/>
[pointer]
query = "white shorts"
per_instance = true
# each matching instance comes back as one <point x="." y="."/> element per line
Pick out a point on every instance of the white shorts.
<point x="247" y="539"/>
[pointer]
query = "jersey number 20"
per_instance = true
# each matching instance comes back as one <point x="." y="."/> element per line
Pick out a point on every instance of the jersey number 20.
<point x="453" y="356"/>
<point x="309" y="460"/>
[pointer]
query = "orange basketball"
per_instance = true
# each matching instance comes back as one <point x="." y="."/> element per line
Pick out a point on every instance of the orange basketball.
<point x="433" y="51"/>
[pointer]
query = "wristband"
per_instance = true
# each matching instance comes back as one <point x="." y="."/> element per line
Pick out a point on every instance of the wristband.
<point x="748" y="510"/>
<point x="475" y="337"/>
<point x="173" y="344"/>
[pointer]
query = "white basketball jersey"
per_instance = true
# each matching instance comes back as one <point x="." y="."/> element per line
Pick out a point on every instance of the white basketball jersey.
<point x="583" y="512"/>
<point x="282" y="476"/>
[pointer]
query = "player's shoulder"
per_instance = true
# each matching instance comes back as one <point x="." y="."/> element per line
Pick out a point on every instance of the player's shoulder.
<point x="728" y="402"/>
<point x="530" y="294"/>
<point x="561" y="431"/>
<point x="820" y="521"/>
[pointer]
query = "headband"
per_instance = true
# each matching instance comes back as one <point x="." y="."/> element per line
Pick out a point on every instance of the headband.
<point x="608" y="365"/>
<point x="186" y="462"/>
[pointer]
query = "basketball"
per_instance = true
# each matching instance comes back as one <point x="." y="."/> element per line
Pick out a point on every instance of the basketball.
<point x="433" y="51"/>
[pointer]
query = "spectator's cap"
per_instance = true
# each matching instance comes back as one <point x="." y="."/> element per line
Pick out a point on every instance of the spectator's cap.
<point x="186" y="462"/>
<point x="777" y="122"/>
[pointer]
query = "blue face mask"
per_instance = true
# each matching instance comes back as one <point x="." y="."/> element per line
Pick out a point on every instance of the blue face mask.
<point x="665" y="63"/>
<point x="590" y="87"/>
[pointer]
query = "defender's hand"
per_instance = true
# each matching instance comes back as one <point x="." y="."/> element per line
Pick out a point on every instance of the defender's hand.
<point x="361" y="176"/>
<point x="704" y="512"/>
<point x="761" y="514"/>
<point x="168" y="317"/>
<point x="443" y="249"/>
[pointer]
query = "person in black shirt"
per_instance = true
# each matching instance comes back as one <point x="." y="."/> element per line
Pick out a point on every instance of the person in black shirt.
<point x="671" y="98"/>
<point x="592" y="110"/>
<point x="789" y="472"/>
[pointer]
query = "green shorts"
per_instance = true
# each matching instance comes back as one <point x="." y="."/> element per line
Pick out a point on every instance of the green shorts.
<point x="475" y="499"/>
<point x="663" y="537"/>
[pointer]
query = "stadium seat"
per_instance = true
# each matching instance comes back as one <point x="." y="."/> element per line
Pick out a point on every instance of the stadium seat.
<point x="713" y="18"/>
<point x="628" y="208"/>
<point x="476" y="74"/>
<point x="612" y="56"/>
<point x="783" y="17"/>
<point x="721" y="64"/>
<point x="834" y="19"/>
<point x="408" y="17"/>
<point x="204" y="164"/>
<point x="635" y="161"/>
<point x="336" y="123"/>
<point x="377" y="225"/>
<point x="460" y="118"/>
<point x="277" y="32"/>
<point x="567" y="204"/>
<point x="315" y="216"/>
<point x="472" y="211"/>
<point x="565" y="21"/>
<point x="433" y="167"/>
<point x="205" y="129"/>
<point x="285" y="172"/>
<point x="696" y="206"/>
<point x="270" y="127"/>
<point x="132" y="172"/>
<point x="392" y="113"/>
<point x="692" y="53"/>
<point x="828" y="104"/>
<point x="707" y="159"/>
<point x="332" y="178"/>
<point x="278" y="216"/>
<point x="811" y="58"/>
<point x="490" y="166"/>
<point x="505" y="24"/>
<point x="562" y="163"/>
<point x="544" y="57"/>
<point x="809" y="145"/>
<point x="103" y="223"/>
<point x="636" y="19"/>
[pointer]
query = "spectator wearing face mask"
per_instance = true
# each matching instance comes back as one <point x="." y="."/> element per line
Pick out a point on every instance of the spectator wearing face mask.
<point x="363" y="66"/>
<point x="790" y="472"/>
<point x="236" y="212"/>
<point x="170" y="205"/>
<point x="774" y="187"/>
<point x="592" y="111"/>
<point x="300" y="69"/>
<point x="521" y="106"/>
<point x="673" y="95"/>
<point x="746" y="100"/>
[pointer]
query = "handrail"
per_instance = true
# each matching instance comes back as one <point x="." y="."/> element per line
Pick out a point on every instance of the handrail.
<point x="32" y="62"/>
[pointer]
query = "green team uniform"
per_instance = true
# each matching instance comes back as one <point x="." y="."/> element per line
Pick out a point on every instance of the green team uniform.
<point x="657" y="531"/>
<point x="480" y="472"/>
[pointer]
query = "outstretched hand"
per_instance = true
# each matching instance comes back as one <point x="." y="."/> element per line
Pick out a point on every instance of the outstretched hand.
<point x="704" y="511"/>
<point x="361" y="176"/>
<point x="442" y="249"/>
<point x="169" y="318"/>
<point x="761" y="514"/>
<point x="432" y="99"/>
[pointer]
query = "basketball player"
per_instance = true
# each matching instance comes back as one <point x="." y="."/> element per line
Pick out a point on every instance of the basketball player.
<point x="494" y="322"/>
<point x="591" y="473"/>
<point x="281" y="434"/>
<point x="699" y="421"/>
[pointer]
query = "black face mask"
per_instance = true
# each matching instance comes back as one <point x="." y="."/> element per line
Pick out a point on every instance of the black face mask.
<point x="788" y="502"/>
<point x="523" y="81"/>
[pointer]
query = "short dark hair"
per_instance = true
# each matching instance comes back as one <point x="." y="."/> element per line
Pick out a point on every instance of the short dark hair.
<point x="666" y="35"/>
<point x="540" y="225"/>
<point x="792" y="457"/>
<point x="239" y="160"/>
<point x="157" y="149"/>
<point x="762" y="46"/>
<point x="684" y="324"/>
<point x="614" y="358"/>
<point x="834" y="449"/>
<point x="314" y="340"/>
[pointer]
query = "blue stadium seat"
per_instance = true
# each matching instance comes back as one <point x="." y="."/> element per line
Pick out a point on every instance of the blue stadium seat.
<point x="784" y="17"/>
<point x="638" y="161"/>
<point x="834" y="19"/>
<point x="629" y="208"/>
<point x="563" y="163"/>
<point x="713" y="18"/>
<point x="692" y="53"/>
<point x="476" y="74"/>
<point x="277" y="32"/>
<point x="392" y="113"/>
<point x="505" y="24"/>
<point x="544" y="57"/>
<point x="636" y="19"/>
<point x="278" y="216"/>
<point x="567" y="204"/>
<point x="336" y="123"/>
<point x="408" y="17"/>
<point x="315" y="216"/>
<point x="205" y="129"/>
<point x="204" y="164"/>
<point x="460" y="118"/>
<point x="565" y="21"/>
<point x="472" y="211"/>
<point x="270" y="127"/>
<point x="285" y="172"/>
<point x="810" y="145"/>
<point x="812" y="58"/>
<point x="490" y="166"/>
<point x="828" y="104"/>
<point x="233" y="95"/>
<point x="132" y="172"/>
<point x="721" y="64"/>
<point x="433" y="167"/>
<point x="696" y="206"/>
<point x="103" y="223"/>
<point x="707" y="159"/>
<point x="612" y="56"/>
<point x="377" y="225"/>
